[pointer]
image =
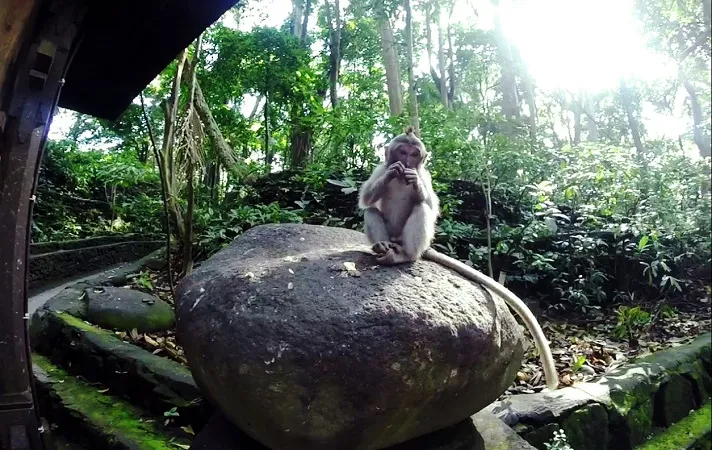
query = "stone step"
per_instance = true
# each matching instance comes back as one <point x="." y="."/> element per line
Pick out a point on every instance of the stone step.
<point x="150" y="382"/>
<point x="88" y="416"/>
<point x="693" y="432"/>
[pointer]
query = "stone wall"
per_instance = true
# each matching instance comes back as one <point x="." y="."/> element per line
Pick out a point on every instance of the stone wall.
<point x="57" y="260"/>
<point x="47" y="247"/>
<point x="624" y="408"/>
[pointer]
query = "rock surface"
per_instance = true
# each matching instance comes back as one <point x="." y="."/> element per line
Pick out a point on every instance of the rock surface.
<point x="124" y="309"/>
<point x="304" y="343"/>
<point x="482" y="431"/>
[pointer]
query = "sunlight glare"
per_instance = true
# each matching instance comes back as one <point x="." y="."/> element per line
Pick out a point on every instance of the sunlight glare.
<point x="577" y="44"/>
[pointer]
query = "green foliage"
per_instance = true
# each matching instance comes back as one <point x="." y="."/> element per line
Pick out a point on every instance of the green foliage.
<point x="216" y="229"/>
<point x="631" y="321"/>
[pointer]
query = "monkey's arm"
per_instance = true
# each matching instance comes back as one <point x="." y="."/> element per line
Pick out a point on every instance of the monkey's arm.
<point x="426" y="194"/>
<point x="373" y="188"/>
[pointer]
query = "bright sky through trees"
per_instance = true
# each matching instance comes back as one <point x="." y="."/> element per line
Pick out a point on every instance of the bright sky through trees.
<point x="567" y="44"/>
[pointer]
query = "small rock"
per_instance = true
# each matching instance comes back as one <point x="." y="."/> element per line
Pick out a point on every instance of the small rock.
<point x="118" y="280"/>
<point x="125" y="309"/>
<point x="155" y="263"/>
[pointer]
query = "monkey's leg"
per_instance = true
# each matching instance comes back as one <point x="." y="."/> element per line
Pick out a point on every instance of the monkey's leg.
<point x="417" y="234"/>
<point x="376" y="230"/>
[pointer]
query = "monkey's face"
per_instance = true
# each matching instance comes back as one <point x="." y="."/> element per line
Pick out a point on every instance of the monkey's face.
<point x="409" y="155"/>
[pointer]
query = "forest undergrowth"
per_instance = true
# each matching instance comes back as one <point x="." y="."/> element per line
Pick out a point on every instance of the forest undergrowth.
<point x="591" y="199"/>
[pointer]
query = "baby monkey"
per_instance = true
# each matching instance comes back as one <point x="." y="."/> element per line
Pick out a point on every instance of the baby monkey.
<point x="400" y="212"/>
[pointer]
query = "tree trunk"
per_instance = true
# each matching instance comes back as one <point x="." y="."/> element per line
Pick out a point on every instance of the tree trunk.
<point x="441" y="62"/>
<point x="508" y="84"/>
<point x="577" y="124"/>
<point x="253" y="113"/>
<point x="191" y="154"/>
<point x="451" y="55"/>
<point x="390" y="62"/>
<point x="412" y="97"/>
<point x="707" y="11"/>
<point x="170" y="114"/>
<point x="633" y="125"/>
<point x="334" y="49"/>
<point x="702" y="139"/>
<point x="297" y="18"/>
<point x="299" y="142"/>
<point x="439" y="76"/>
<point x="305" y="23"/>
<point x="590" y="107"/>
<point x="224" y="152"/>
<point x="300" y="133"/>
<point x="267" y="149"/>
<point x="529" y="93"/>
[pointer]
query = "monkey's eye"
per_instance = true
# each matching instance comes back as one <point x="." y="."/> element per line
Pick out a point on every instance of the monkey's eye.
<point x="402" y="151"/>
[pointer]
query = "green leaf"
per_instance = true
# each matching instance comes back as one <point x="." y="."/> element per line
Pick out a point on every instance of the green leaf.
<point x="643" y="242"/>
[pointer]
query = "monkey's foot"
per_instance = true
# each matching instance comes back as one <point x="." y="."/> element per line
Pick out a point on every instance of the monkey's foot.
<point x="383" y="247"/>
<point x="394" y="256"/>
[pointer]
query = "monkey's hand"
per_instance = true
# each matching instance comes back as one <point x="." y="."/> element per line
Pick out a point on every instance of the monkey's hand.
<point x="411" y="177"/>
<point x="395" y="170"/>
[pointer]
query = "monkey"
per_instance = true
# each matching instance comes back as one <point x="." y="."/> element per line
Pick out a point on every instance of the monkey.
<point x="400" y="212"/>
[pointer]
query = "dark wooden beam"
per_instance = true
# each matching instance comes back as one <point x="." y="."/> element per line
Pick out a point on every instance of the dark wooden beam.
<point x="126" y="45"/>
<point x="30" y="96"/>
<point x="15" y="15"/>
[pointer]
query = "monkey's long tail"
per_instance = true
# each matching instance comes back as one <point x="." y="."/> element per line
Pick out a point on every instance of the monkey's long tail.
<point x="547" y="361"/>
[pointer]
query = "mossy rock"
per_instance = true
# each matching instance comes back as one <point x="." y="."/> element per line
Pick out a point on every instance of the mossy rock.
<point x="674" y="401"/>
<point x="125" y="309"/>
<point x="587" y="428"/>
<point x="693" y="433"/>
<point x="632" y="415"/>
<point x="155" y="383"/>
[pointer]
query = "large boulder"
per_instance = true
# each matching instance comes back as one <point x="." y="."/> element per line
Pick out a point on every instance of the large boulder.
<point x="304" y="343"/>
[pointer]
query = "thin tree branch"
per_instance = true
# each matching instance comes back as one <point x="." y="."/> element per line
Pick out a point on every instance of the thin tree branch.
<point x="164" y="195"/>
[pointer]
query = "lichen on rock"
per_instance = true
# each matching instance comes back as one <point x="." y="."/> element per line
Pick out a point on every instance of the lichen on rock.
<point x="305" y="343"/>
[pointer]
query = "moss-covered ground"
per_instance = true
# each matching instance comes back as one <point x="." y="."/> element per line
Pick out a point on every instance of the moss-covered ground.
<point x="117" y="421"/>
<point x="692" y="432"/>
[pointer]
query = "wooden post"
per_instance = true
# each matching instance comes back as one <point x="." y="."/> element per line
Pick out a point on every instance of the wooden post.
<point x="15" y="20"/>
<point x="33" y="62"/>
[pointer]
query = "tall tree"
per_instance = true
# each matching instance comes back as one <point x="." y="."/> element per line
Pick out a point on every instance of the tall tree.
<point x="190" y="140"/>
<point x="633" y="125"/>
<point x="529" y="93"/>
<point x="590" y="107"/>
<point x="412" y="97"/>
<point x="333" y="20"/>
<point x="508" y="83"/>
<point x="391" y="63"/>
<point x="301" y="132"/>
<point x="441" y="58"/>
<point x="167" y="152"/>
<point x="701" y="138"/>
